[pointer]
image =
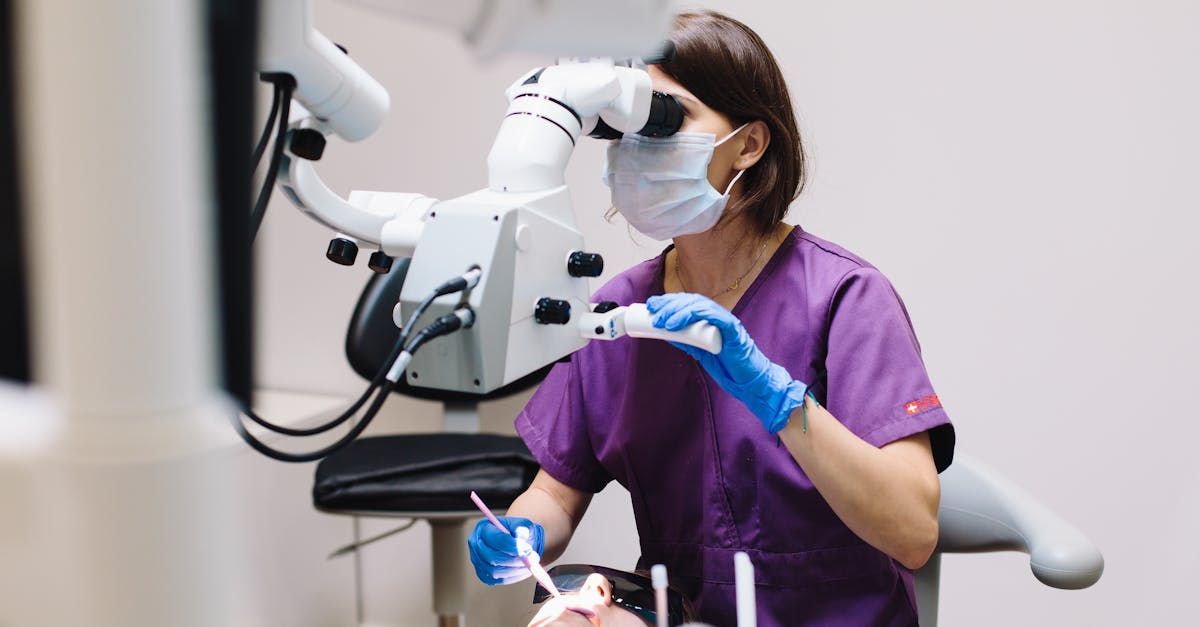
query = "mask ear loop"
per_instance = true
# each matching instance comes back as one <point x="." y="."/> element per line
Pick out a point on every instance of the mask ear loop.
<point x="735" y="178"/>
<point x="728" y="188"/>
<point x="740" y="172"/>
<point x="731" y="134"/>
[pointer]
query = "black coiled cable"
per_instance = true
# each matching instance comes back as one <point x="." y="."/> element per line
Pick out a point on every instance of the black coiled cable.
<point x="381" y="386"/>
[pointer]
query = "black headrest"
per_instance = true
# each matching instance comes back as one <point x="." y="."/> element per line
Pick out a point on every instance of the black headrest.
<point x="372" y="335"/>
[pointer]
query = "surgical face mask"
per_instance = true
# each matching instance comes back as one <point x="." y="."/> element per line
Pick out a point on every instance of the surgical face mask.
<point x="661" y="185"/>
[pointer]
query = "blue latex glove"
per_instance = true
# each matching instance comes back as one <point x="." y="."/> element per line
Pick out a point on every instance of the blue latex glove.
<point x="494" y="553"/>
<point x="740" y="368"/>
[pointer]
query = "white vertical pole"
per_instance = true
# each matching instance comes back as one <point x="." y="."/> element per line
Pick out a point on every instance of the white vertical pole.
<point x="129" y="516"/>
<point x="113" y="126"/>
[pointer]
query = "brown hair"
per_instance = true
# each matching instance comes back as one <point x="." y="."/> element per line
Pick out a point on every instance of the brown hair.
<point x="729" y="68"/>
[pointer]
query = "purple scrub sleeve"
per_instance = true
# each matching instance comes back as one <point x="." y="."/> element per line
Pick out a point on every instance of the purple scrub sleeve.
<point x="559" y="438"/>
<point x="876" y="383"/>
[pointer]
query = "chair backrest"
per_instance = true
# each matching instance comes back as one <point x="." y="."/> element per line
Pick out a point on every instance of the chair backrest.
<point x="373" y="334"/>
<point x="981" y="511"/>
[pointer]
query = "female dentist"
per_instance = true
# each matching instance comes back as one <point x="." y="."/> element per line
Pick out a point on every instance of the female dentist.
<point x="812" y="441"/>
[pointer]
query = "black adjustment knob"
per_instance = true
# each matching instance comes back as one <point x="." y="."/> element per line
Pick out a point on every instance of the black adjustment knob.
<point x="585" y="264"/>
<point x="604" y="306"/>
<point x="342" y="251"/>
<point x="380" y="262"/>
<point x="306" y="143"/>
<point x="552" y="311"/>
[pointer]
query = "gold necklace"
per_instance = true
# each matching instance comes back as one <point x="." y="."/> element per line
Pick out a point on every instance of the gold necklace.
<point x="737" y="283"/>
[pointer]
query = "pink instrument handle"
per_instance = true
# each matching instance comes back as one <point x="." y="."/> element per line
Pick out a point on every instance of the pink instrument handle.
<point x="488" y="513"/>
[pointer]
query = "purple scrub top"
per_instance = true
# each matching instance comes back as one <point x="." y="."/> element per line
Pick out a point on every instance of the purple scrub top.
<point x="706" y="479"/>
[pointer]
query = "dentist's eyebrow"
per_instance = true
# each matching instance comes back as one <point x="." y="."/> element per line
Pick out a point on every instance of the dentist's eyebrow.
<point x="680" y="96"/>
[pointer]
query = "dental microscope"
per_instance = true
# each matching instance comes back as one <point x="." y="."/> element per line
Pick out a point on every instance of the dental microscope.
<point x="531" y="300"/>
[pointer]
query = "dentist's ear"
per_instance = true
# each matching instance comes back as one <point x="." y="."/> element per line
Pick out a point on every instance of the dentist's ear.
<point x="754" y="139"/>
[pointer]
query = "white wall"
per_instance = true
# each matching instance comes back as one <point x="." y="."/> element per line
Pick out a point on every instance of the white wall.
<point x="1023" y="171"/>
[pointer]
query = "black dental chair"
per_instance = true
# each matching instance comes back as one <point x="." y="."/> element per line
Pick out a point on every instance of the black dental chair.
<point x="424" y="476"/>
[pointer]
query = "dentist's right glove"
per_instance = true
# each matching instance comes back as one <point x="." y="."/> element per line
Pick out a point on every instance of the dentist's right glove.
<point x="495" y="555"/>
<point x="740" y="368"/>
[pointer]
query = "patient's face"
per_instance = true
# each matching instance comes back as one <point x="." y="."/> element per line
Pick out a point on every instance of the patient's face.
<point x="594" y="604"/>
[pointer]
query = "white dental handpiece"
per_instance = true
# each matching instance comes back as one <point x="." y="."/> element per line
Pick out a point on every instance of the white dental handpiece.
<point x="699" y="334"/>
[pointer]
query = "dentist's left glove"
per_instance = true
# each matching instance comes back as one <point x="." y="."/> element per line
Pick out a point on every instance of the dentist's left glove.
<point x="740" y="368"/>
<point x="495" y="555"/>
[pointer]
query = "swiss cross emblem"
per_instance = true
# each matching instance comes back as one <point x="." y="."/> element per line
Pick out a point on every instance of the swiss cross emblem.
<point x="913" y="408"/>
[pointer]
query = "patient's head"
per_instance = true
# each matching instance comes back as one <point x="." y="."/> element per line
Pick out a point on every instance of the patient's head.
<point x="592" y="604"/>
<point x="595" y="595"/>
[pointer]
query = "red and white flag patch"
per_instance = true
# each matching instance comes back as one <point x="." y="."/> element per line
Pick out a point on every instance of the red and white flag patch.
<point x="919" y="405"/>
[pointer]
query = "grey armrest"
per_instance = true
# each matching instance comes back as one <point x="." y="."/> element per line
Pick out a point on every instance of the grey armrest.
<point x="983" y="511"/>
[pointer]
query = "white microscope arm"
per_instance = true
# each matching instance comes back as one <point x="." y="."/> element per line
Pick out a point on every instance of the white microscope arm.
<point x="529" y="154"/>
<point x="333" y="94"/>
<point x="388" y="221"/>
<point x="333" y="87"/>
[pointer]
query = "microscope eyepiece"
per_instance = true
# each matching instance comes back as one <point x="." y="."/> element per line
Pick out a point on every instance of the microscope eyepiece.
<point x="666" y="116"/>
